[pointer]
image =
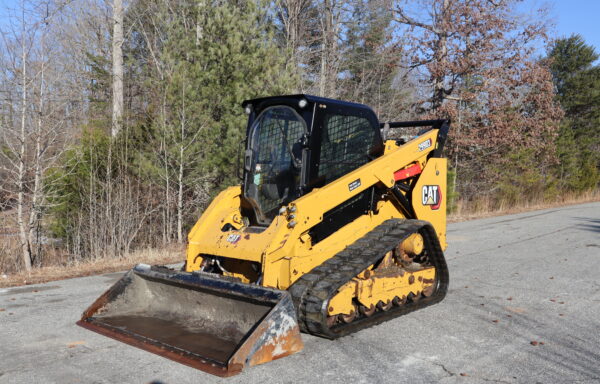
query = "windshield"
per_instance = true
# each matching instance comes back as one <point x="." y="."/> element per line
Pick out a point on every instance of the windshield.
<point x="276" y="143"/>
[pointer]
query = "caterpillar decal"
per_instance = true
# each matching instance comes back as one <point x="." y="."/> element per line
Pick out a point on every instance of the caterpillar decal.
<point x="432" y="196"/>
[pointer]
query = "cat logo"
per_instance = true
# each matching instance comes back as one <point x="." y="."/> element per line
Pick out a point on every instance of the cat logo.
<point x="432" y="196"/>
<point x="233" y="238"/>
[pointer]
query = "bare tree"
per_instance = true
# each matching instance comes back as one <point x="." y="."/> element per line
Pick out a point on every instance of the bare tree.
<point x="481" y="54"/>
<point x="117" y="66"/>
<point x="297" y="20"/>
<point x="21" y="158"/>
<point x="457" y="41"/>
<point x="312" y="32"/>
<point x="33" y="142"/>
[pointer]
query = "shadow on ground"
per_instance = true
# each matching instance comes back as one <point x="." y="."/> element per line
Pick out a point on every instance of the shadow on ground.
<point x="589" y="224"/>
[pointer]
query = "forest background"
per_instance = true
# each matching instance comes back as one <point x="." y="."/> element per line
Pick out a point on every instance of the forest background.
<point x="120" y="120"/>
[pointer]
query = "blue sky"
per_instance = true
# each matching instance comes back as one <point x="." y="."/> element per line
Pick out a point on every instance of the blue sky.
<point x="579" y="16"/>
<point x="573" y="16"/>
<point x="569" y="16"/>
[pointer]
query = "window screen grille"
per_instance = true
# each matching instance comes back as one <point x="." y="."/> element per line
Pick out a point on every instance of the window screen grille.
<point x="345" y="145"/>
<point x="277" y="131"/>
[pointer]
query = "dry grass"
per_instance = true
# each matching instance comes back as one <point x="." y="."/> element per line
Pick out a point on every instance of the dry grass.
<point x="488" y="208"/>
<point x="168" y="255"/>
<point x="174" y="254"/>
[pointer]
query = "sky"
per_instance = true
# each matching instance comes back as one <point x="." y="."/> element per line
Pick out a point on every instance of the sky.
<point x="569" y="16"/>
<point x="572" y="16"/>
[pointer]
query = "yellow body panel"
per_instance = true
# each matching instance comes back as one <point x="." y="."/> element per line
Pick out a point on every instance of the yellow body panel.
<point x="431" y="186"/>
<point x="285" y="252"/>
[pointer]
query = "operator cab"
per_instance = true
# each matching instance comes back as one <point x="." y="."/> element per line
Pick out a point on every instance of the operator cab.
<point x="300" y="142"/>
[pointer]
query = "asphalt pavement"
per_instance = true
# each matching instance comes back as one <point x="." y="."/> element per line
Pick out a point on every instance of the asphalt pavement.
<point x="523" y="307"/>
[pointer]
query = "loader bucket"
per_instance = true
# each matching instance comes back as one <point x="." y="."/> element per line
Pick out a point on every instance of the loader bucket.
<point x="211" y="323"/>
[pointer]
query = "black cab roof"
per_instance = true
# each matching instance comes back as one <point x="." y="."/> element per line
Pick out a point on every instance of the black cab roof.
<point x="259" y="104"/>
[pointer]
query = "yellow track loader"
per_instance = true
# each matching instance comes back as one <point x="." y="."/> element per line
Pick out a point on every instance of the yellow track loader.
<point x="333" y="229"/>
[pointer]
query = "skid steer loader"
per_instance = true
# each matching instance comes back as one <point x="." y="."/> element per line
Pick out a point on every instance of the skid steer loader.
<point x="333" y="229"/>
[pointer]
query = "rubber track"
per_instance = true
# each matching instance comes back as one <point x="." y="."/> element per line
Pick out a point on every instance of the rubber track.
<point x="311" y="293"/>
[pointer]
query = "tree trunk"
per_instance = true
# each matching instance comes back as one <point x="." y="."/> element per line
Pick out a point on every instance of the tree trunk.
<point x="167" y="211"/>
<point x="34" y="206"/>
<point x="326" y="24"/>
<point x="117" y="112"/>
<point x="180" y="197"/>
<point x="117" y="66"/>
<point x="25" y="245"/>
<point x="180" y="172"/>
<point x="456" y="149"/>
<point x="441" y="51"/>
<point x="293" y="27"/>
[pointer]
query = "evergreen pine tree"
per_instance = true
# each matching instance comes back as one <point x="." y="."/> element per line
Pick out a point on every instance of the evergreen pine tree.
<point x="577" y="82"/>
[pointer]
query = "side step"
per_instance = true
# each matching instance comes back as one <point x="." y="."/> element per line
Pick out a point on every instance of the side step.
<point x="204" y="321"/>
